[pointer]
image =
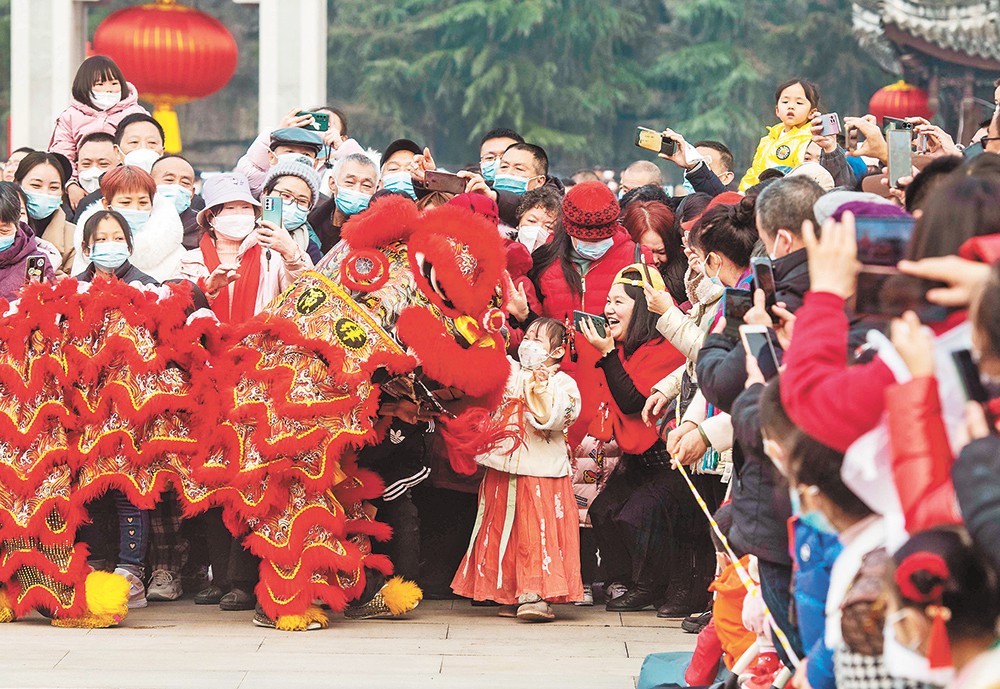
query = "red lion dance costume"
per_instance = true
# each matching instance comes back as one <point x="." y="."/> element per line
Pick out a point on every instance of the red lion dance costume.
<point x="114" y="387"/>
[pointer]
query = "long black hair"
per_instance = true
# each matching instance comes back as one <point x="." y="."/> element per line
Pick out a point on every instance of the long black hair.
<point x="642" y="326"/>
<point x="557" y="250"/>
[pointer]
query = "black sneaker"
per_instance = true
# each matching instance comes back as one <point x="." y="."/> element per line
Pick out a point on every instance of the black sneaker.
<point x="693" y="624"/>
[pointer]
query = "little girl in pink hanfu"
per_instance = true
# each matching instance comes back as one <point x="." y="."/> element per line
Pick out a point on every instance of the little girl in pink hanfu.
<point x="525" y="547"/>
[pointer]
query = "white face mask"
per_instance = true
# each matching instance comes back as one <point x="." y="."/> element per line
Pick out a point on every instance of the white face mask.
<point x="532" y="236"/>
<point x="104" y="100"/>
<point x="532" y="354"/>
<point x="904" y="663"/>
<point x="142" y="157"/>
<point x="234" y="227"/>
<point x="90" y="178"/>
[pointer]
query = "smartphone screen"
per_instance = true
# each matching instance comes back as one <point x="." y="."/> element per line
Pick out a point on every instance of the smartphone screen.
<point x="758" y="345"/>
<point x="444" y="181"/>
<point x="900" y="155"/>
<point x="887" y="292"/>
<point x="735" y="305"/>
<point x="763" y="279"/>
<point x="883" y="241"/>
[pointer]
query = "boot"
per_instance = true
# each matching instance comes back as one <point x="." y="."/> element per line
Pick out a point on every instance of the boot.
<point x="684" y="597"/>
<point x="639" y="597"/>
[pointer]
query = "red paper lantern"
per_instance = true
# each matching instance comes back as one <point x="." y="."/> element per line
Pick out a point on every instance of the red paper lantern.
<point x="900" y="100"/>
<point x="172" y="53"/>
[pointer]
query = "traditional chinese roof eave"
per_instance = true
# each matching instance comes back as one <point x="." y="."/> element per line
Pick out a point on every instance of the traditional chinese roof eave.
<point x="902" y="37"/>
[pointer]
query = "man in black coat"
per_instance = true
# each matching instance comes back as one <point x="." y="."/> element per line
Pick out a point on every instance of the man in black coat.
<point x="780" y="211"/>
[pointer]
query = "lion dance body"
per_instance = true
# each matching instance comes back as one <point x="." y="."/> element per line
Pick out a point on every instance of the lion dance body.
<point x="111" y="386"/>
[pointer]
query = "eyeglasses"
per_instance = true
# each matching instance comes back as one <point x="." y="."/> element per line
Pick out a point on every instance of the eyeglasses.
<point x="489" y="158"/>
<point x="288" y="198"/>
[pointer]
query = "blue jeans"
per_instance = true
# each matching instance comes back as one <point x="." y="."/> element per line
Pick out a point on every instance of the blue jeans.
<point x="776" y="588"/>
<point x="133" y="530"/>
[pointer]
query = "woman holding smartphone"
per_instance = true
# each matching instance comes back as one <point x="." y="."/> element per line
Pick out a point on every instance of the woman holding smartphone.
<point x="643" y="513"/>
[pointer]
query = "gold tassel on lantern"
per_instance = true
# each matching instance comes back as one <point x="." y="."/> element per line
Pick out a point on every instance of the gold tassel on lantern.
<point x="165" y="115"/>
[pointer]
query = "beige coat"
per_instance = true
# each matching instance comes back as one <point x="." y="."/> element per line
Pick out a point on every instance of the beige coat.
<point x="552" y="407"/>
<point x="60" y="233"/>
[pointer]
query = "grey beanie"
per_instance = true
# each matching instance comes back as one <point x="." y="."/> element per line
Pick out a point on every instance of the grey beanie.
<point x="300" y="167"/>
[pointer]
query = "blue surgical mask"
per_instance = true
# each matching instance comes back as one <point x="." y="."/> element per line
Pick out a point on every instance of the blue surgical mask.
<point x="292" y="216"/>
<point x="351" y="202"/>
<point x="489" y="169"/>
<point x="512" y="183"/>
<point x="7" y="242"/>
<point x="41" y="206"/>
<point x="814" y="519"/>
<point x="715" y="280"/>
<point x="401" y="182"/>
<point x="109" y="255"/>
<point x="136" y="219"/>
<point x="593" y="251"/>
<point x="176" y="193"/>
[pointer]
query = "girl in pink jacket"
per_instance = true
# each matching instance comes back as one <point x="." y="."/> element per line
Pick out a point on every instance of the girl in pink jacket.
<point x="101" y="99"/>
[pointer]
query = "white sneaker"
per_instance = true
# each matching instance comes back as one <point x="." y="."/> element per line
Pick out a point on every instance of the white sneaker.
<point x="165" y="585"/>
<point x="588" y="596"/>
<point x="616" y="590"/>
<point x="136" y="591"/>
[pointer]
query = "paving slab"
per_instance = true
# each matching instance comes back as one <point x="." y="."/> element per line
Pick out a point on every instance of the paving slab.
<point x="442" y="644"/>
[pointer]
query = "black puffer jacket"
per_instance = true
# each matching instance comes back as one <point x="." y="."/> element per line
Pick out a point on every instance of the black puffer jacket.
<point x="721" y="367"/>
<point x="760" y="502"/>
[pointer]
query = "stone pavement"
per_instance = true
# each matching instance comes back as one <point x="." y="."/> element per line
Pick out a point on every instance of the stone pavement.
<point x="443" y="645"/>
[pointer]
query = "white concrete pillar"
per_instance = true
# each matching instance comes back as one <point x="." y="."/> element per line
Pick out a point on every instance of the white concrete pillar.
<point x="292" y="56"/>
<point x="47" y="45"/>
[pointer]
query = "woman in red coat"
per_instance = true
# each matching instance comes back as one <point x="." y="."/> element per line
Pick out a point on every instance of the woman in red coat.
<point x="574" y="272"/>
<point x="645" y="514"/>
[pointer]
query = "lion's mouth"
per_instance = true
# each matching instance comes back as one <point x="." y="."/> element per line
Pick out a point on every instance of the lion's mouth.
<point x="430" y="274"/>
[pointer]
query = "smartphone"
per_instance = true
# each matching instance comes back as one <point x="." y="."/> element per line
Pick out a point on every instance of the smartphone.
<point x="271" y="209"/>
<point x="600" y="322"/>
<point x="763" y="278"/>
<point x="735" y="304"/>
<point x="830" y="124"/>
<point x="757" y="343"/>
<point x="321" y="120"/>
<point x="900" y="155"/>
<point x="896" y="123"/>
<point x="652" y="140"/>
<point x="34" y="268"/>
<point x="974" y="150"/>
<point x="968" y="371"/>
<point x="883" y="241"/>
<point x="884" y="291"/>
<point x="434" y="180"/>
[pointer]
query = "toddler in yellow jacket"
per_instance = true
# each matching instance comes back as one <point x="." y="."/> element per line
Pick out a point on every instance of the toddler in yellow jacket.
<point x="796" y="102"/>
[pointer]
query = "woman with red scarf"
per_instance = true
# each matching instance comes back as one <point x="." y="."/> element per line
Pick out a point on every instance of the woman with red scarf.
<point x="241" y="264"/>
<point x="637" y="515"/>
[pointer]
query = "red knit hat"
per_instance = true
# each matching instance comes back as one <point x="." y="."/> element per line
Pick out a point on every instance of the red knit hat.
<point x="478" y="204"/>
<point x="590" y="211"/>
